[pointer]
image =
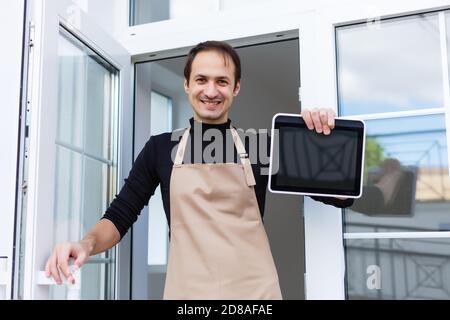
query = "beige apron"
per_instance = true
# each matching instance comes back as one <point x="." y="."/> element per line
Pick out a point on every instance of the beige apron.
<point x="219" y="248"/>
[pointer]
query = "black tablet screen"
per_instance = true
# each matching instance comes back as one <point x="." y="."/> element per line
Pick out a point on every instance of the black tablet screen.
<point x="316" y="163"/>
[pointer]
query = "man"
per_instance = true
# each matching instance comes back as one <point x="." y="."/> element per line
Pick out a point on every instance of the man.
<point x="218" y="248"/>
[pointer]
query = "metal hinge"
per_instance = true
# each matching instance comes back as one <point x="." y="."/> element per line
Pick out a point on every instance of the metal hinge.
<point x="31" y="34"/>
<point x="24" y="187"/>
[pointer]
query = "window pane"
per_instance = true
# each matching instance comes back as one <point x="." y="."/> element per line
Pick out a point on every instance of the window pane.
<point x="161" y="113"/>
<point x="98" y="109"/>
<point x="447" y="23"/>
<point x="71" y="93"/>
<point x="95" y="192"/>
<point x="393" y="65"/>
<point x="147" y="11"/>
<point x="160" y="121"/>
<point x="398" y="269"/>
<point x="406" y="178"/>
<point x="68" y="195"/>
<point x="85" y="164"/>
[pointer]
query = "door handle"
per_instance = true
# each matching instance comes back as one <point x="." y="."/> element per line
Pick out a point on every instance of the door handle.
<point x="73" y="290"/>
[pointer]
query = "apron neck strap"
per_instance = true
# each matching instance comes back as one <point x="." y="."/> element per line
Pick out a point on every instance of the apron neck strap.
<point x="243" y="156"/>
<point x="181" y="147"/>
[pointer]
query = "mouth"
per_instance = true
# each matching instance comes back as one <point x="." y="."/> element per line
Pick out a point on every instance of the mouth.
<point x="211" y="103"/>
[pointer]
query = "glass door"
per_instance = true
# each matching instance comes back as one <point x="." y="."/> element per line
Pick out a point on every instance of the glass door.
<point x="397" y="234"/>
<point x="79" y="129"/>
<point x="388" y="66"/>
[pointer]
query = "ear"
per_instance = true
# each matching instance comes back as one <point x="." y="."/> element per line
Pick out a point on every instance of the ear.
<point x="186" y="86"/>
<point x="237" y="88"/>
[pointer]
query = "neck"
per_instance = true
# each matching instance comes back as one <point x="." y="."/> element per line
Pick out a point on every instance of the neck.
<point x="220" y="120"/>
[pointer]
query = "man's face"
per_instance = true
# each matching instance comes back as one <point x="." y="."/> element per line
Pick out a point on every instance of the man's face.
<point x="211" y="87"/>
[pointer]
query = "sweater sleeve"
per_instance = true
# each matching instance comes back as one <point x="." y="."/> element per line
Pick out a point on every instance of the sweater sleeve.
<point x="140" y="185"/>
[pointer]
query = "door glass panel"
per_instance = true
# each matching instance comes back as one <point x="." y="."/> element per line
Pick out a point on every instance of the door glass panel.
<point x="98" y="108"/>
<point x="86" y="157"/>
<point x="68" y="202"/>
<point x="406" y="178"/>
<point x="161" y="121"/>
<point x="394" y="65"/>
<point x="447" y="24"/>
<point x="147" y="11"/>
<point x="71" y="94"/>
<point x="398" y="269"/>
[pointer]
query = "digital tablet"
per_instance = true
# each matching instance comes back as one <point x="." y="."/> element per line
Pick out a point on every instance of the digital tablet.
<point x="305" y="162"/>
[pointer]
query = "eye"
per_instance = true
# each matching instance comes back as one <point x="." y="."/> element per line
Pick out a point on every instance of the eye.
<point x="200" y="80"/>
<point x="223" y="82"/>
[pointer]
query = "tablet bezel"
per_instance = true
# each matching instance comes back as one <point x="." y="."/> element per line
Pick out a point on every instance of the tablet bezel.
<point x="332" y="193"/>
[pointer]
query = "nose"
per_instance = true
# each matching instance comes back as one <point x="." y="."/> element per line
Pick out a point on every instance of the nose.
<point x="210" y="90"/>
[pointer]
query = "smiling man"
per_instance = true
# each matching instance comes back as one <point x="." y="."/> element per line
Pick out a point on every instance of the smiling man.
<point x="212" y="80"/>
<point x="218" y="245"/>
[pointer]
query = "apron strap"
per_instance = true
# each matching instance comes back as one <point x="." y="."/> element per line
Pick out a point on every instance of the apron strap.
<point x="181" y="147"/>
<point x="243" y="156"/>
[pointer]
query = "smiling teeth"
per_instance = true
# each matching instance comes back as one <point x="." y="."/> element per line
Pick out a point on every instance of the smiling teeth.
<point x="210" y="102"/>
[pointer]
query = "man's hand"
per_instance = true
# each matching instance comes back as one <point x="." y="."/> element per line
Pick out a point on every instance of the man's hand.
<point x="59" y="259"/>
<point x="321" y="119"/>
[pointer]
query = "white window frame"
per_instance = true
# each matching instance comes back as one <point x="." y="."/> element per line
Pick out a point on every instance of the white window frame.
<point x="47" y="16"/>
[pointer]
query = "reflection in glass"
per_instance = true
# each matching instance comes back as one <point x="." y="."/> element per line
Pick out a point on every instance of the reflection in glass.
<point x="71" y="95"/>
<point x="68" y="195"/>
<point x="98" y="108"/>
<point x="398" y="269"/>
<point x="147" y="11"/>
<point x="447" y="24"/>
<point x="393" y="65"/>
<point x="406" y="179"/>
<point x="85" y="171"/>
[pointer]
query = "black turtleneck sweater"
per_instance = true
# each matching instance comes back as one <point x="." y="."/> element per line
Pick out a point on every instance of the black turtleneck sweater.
<point x="153" y="167"/>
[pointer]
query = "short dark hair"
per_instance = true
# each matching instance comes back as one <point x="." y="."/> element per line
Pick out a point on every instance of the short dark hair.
<point x="219" y="46"/>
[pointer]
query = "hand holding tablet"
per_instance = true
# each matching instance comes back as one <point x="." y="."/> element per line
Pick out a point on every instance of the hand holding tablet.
<point x="307" y="163"/>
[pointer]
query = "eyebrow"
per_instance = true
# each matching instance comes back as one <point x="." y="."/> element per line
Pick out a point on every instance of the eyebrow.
<point x="218" y="78"/>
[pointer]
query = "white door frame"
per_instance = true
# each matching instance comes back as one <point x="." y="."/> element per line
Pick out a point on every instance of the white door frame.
<point x="11" y="32"/>
<point x="47" y="16"/>
<point x="316" y="22"/>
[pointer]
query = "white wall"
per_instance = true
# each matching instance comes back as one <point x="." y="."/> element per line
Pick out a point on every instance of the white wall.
<point x="11" y="30"/>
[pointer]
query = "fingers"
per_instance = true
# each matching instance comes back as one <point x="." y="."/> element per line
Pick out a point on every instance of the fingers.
<point x="327" y="118"/>
<point x="63" y="264"/>
<point x="320" y="119"/>
<point x="308" y="120"/>
<point x="59" y="262"/>
<point x="316" y="120"/>
<point x="331" y="115"/>
<point x="324" y="121"/>
<point x="80" y="260"/>
<point x="51" y="269"/>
